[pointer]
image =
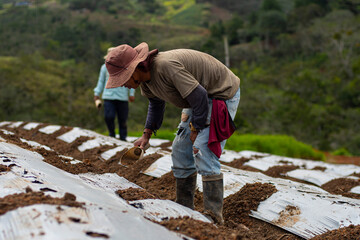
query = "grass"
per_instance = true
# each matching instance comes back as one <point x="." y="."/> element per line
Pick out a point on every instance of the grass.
<point x="161" y="134"/>
<point x="274" y="144"/>
<point x="190" y="16"/>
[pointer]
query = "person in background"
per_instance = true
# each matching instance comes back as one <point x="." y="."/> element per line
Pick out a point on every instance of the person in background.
<point x="209" y="94"/>
<point x="115" y="102"/>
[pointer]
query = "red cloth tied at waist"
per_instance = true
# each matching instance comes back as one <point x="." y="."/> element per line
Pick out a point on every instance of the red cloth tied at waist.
<point x="221" y="126"/>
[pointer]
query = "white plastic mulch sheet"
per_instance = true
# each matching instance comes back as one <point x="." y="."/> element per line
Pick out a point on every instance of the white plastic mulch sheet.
<point x="307" y="168"/>
<point x="75" y="133"/>
<point x="35" y="144"/>
<point x="336" y="211"/>
<point x="4" y="123"/>
<point x="355" y="190"/>
<point x="263" y="162"/>
<point x="229" y="156"/>
<point x="155" y="209"/>
<point x="101" y="140"/>
<point x="302" y="209"/>
<point x="110" y="182"/>
<point x="6" y="132"/>
<point x="160" y="166"/>
<point x="153" y="141"/>
<point x="30" y="126"/>
<point x="15" y="124"/>
<point x="104" y="214"/>
<point x="49" y="129"/>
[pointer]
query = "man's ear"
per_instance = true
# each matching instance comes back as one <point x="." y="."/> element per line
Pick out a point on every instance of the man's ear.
<point x="141" y="67"/>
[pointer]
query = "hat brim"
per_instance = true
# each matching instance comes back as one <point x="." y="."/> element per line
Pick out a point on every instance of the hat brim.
<point x="120" y="78"/>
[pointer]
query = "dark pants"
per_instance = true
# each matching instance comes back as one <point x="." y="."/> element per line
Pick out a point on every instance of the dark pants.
<point x="121" y="109"/>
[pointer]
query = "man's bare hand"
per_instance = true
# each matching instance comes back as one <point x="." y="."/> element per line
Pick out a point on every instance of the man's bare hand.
<point x="131" y="98"/>
<point x="142" y="142"/>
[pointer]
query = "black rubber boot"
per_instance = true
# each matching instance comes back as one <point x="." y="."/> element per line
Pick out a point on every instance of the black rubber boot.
<point x="213" y="190"/>
<point x="185" y="190"/>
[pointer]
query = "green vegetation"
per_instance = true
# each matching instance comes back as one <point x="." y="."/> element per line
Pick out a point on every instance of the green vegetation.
<point x="161" y="134"/>
<point x="298" y="61"/>
<point x="274" y="144"/>
<point x="341" y="152"/>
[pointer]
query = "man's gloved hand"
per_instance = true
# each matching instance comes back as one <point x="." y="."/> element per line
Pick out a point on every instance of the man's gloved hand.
<point x="98" y="102"/>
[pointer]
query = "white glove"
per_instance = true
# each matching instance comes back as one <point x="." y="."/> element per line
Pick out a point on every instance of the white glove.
<point x="98" y="103"/>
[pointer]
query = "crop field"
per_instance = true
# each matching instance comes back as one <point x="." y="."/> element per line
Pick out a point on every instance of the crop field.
<point x="62" y="182"/>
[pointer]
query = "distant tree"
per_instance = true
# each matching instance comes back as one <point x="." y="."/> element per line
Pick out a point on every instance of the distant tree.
<point x="271" y="23"/>
<point x="339" y="37"/>
<point x="303" y="3"/>
<point x="241" y="7"/>
<point x="351" y="5"/>
<point x="304" y="15"/>
<point x="152" y="6"/>
<point x="231" y="29"/>
<point x="270" y="5"/>
<point x="217" y="29"/>
<point x="253" y="18"/>
<point x="83" y="4"/>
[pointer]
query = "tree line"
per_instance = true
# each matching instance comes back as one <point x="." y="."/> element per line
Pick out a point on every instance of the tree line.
<point x="298" y="61"/>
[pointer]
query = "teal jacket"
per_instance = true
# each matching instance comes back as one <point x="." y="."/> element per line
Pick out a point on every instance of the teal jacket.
<point x="119" y="93"/>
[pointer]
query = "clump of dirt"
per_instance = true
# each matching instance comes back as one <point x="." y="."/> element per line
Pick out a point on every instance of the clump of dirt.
<point x="342" y="186"/>
<point x="319" y="168"/>
<point x="163" y="187"/>
<point x="4" y="168"/>
<point x="15" y="201"/>
<point x="133" y="172"/>
<point x="132" y="194"/>
<point x="238" y="206"/>
<point x="95" y="234"/>
<point x="239" y="163"/>
<point x="165" y="146"/>
<point x="289" y="216"/>
<point x="346" y="233"/>
<point x="356" y="175"/>
<point x="198" y="229"/>
<point x="280" y="171"/>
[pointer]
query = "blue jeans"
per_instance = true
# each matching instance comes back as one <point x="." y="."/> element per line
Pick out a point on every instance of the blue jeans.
<point x="113" y="108"/>
<point x="204" y="161"/>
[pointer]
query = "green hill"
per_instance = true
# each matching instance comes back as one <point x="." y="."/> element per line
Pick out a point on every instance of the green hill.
<point x="298" y="61"/>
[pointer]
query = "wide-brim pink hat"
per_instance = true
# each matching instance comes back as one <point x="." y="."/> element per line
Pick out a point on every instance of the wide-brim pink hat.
<point x="122" y="61"/>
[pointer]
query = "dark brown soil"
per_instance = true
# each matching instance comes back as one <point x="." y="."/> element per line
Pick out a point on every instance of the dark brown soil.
<point x="238" y="223"/>
<point x="342" y="186"/>
<point x="237" y="207"/>
<point x="165" y="146"/>
<point x="132" y="194"/>
<point x="347" y="233"/>
<point x="239" y="163"/>
<point x="15" y="201"/>
<point x="343" y="159"/>
<point x="198" y="229"/>
<point x="4" y="168"/>
<point x="280" y="171"/>
<point x="319" y="168"/>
